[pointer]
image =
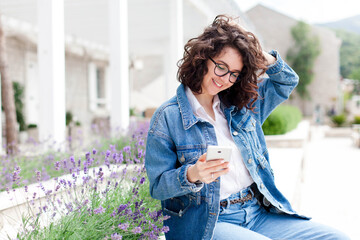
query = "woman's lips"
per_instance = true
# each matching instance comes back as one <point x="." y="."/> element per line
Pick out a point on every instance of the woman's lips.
<point x="216" y="83"/>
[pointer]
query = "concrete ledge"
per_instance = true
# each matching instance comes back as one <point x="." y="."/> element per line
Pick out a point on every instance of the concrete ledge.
<point x="287" y="164"/>
<point x="287" y="153"/>
<point x="293" y="139"/>
<point x="338" y="132"/>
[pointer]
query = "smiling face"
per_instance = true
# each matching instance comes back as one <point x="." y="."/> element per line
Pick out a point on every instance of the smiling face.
<point x="213" y="84"/>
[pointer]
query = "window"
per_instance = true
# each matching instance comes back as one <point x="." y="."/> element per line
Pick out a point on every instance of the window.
<point x="98" y="92"/>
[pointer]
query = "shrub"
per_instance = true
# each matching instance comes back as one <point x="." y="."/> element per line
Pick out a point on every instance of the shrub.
<point x="338" y="120"/>
<point x="19" y="104"/>
<point x="357" y="120"/>
<point x="283" y="119"/>
<point x="32" y="125"/>
<point x="68" y="118"/>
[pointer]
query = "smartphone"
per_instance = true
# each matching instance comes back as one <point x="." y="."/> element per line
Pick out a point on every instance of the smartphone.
<point x="218" y="152"/>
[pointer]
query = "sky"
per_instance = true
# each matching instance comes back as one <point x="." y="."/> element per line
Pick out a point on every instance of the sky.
<point x="311" y="11"/>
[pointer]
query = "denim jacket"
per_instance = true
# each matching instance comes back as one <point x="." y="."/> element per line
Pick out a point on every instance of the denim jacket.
<point x="177" y="138"/>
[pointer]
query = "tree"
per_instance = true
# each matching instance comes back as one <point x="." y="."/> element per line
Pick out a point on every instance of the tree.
<point x="7" y="98"/>
<point x="355" y="74"/>
<point x="302" y="56"/>
<point x="349" y="53"/>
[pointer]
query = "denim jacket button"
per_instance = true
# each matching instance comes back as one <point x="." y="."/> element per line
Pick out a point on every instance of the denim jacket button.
<point x="182" y="159"/>
<point x="262" y="185"/>
<point x="235" y="133"/>
<point x="250" y="161"/>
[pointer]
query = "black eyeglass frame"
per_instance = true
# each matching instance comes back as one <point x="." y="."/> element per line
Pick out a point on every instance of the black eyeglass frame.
<point x="228" y="71"/>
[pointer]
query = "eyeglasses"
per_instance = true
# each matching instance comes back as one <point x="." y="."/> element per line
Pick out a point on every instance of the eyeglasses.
<point x="221" y="70"/>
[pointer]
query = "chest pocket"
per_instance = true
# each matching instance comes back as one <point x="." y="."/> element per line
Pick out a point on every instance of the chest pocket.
<point x="249" y="128"/>
<point x="189" y="155"/>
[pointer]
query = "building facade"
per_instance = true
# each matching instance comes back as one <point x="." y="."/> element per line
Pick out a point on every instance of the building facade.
<point x="275" y="30"/>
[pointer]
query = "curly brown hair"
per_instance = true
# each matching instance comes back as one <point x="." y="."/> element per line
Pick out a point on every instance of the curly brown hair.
<point x="224" y="32"/>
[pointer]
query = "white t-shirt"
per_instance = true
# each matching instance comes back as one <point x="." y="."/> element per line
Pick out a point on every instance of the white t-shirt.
<point x="238" y="176"/>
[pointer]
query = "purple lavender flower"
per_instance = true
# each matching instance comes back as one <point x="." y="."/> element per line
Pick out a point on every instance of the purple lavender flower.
<point x="16" y="174"/>
<point x="87" y="155"/>
<point x="155" y="215"/>
<point x="123" y="226"/>
<point x="121" y="158"/>
<point x="38" y="175"/>
<point x="166" y="217"/>
<point x="121" y="208"/>
<point x="72" y="159"/>
<point x="107" y="162"/>
<point x="99" y="210"/>
<point x="142" y="180"/>
<point x="113" y="214"/>
<point x="112" y="147"/>
<point x="165" y="229"/>
<point x="137" y="230"/>
<point x="94" y="151"/>
<point x="127" y="149"/>
<point x="57" y="165"/>
<point x="134" y="179"/>
<point x="140" y="153"/>
<point x="69" y="206"/>
<point x="108" y="152"/>
<point x="116" y="236"/>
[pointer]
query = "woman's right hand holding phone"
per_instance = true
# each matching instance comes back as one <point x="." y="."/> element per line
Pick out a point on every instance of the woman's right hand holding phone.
<point x="207" y="171"/>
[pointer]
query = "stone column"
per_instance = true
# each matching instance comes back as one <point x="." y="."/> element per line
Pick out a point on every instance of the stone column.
<point x="51" y="58"/>
<point x="174" y="52"/>
<point x="119" y="65"/>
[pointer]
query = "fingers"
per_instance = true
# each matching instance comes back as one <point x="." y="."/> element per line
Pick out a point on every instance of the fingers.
<point x="207" y="171"/>
<point x="202" y="158"/>
<point x="214" y="163"/>
<point x="217" y="174"/>
<point x="212" y="173"/>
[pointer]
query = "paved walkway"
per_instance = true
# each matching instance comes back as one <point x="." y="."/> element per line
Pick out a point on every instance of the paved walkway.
<point x="329" y="191"/>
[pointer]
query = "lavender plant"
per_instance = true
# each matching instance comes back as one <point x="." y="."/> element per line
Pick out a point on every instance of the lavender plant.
<point x="103" y="195"/>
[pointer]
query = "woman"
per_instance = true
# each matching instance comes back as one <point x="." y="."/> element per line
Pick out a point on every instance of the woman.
<point x="221" y="102"/>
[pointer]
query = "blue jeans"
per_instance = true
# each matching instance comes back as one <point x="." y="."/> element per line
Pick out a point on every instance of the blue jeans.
<point x="250" y="221"/>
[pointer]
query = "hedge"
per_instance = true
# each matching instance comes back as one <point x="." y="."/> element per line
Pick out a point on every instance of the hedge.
<point x="338" y="120"/>
<point x="283" y="119"/>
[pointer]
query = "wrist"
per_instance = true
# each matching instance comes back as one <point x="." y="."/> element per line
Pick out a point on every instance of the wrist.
<point x="270" y="59"/>
<point x="191" y="175"/>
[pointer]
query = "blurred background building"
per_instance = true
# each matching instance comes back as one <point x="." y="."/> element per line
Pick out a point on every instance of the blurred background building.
<point x="157" y="31"/>
<point x="153" y="43"/>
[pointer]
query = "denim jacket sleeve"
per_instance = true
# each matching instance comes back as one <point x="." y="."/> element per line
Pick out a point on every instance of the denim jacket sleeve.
<point x="167" y="179"/>
<point x="276" y="88"/>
